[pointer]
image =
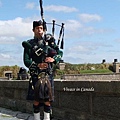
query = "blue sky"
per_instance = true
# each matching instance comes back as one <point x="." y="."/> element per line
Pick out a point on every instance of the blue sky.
<point x="92" y="28"/>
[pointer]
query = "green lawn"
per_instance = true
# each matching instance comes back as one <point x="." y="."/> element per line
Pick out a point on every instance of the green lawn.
<point x="96" y="71"/>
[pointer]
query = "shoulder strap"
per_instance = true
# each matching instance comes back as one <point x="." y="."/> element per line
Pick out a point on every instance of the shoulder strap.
<point x="27" y="44"/>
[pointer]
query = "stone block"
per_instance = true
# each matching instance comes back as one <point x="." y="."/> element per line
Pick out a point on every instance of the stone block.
<point x="21" y="105"/>
<point x="29" y="106"/>
<point x="23" y="94"/>
<point x="106" y="105"/>
<point x="24" y="116"/>
<point x="9" y="92"/>
<point x="17" y="94"/>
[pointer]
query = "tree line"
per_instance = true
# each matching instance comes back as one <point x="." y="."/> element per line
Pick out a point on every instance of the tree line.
<point x="69" y="69"/>
<point x="14" y="69"/>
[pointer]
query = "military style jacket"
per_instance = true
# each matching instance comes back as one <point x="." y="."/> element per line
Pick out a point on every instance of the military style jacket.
<point x="38" y="49"/>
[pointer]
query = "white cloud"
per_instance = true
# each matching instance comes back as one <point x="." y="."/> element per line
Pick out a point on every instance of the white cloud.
<point x="7" y="40"/>
<point x="16" y="28"/>
<point x="78" y="49"/>
<point x="7" y="59"/>
<point x="4" y="56"/>
<point x="59" y="8"/>
<point x="72" y="59"/>
<point x="30" y="5"/>
<point x="76" y="29"/>
<point x="117" y="40"/>
<point x="89" y="17"/>
<point x="72" y="25"/>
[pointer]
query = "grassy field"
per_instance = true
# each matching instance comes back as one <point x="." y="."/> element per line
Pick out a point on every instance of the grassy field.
<point x="85" y="69"/>
<point x="96" y="71"/>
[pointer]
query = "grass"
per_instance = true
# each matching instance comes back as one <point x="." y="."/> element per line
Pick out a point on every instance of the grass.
<point x="96" y="71"/>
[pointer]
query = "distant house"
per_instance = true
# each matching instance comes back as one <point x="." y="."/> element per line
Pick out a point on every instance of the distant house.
<point x="8" y="74"/>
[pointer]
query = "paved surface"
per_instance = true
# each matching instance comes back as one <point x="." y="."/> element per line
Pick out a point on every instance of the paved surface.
<point x="6" y="114"/>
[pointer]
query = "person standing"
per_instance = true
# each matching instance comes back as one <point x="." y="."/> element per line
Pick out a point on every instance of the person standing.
<point x="40" y="53"/>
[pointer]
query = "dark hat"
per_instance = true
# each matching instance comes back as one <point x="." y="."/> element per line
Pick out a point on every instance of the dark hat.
<point x="37" y="23"/>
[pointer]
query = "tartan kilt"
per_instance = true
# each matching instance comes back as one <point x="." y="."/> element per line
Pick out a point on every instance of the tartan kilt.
<point x="35" y="86"/>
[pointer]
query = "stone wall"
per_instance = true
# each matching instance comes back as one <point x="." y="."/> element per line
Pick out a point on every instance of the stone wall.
<point x="74" y="100"/>
<point x="95" y="77"/>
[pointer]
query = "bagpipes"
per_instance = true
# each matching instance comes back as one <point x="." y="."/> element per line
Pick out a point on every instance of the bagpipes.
<point x="61" y="33"/>
<point x="45" y="49"/>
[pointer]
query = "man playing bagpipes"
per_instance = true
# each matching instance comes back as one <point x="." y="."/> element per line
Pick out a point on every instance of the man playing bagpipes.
<point x="40" y="53"/>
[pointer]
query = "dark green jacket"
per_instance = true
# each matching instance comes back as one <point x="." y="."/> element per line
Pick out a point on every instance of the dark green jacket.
<point x="29" y="54"/>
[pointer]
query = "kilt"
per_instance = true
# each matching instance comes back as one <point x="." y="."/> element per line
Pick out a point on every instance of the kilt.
<point x="34" y="86"/>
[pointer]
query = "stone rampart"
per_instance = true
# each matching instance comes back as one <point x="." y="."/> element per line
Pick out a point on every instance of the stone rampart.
<point x="112" y="76"/>
<point x="74" y="99"/>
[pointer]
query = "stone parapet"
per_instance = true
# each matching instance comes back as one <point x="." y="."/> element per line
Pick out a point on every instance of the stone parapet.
<point x="93" y="77"/>
<point x="74" y="100"/>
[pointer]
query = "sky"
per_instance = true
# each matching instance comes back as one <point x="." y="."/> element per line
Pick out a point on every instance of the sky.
<point x="92" y="29"/>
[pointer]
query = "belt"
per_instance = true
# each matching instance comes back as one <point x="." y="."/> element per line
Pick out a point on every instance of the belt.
<point x="43" y="66"/>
